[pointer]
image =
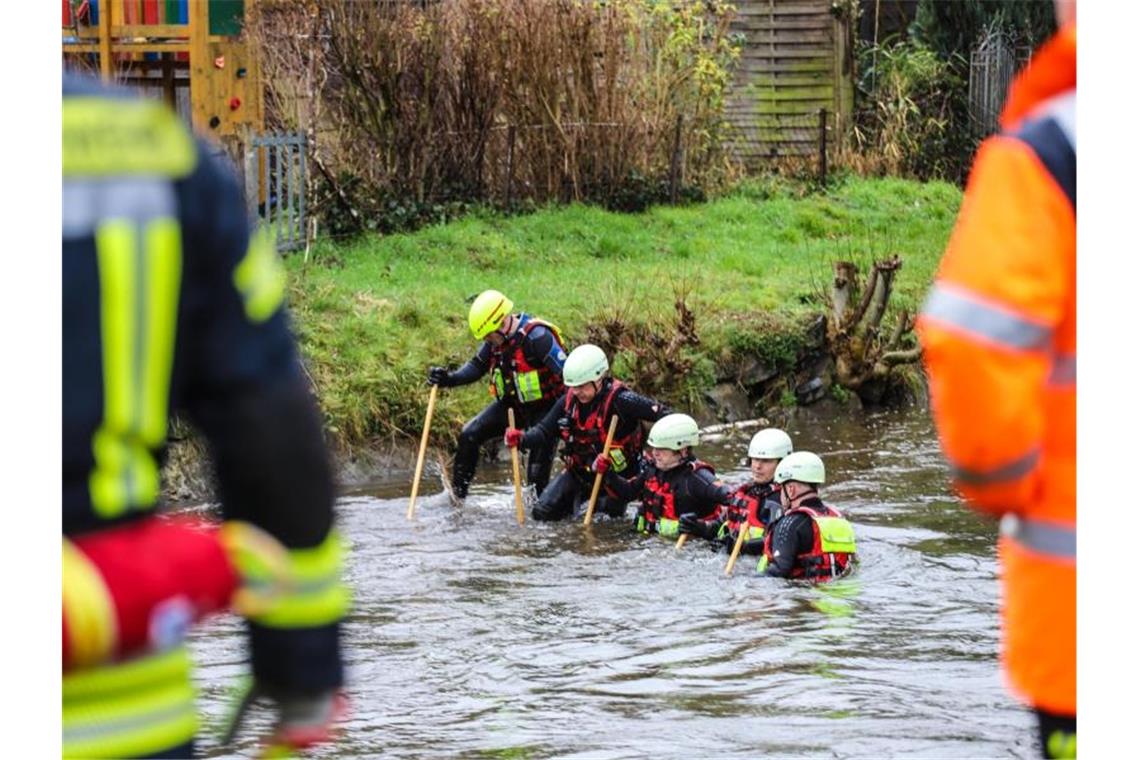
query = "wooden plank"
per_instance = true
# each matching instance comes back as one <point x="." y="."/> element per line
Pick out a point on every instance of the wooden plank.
<point x="762" y="83"/>
<point x="134" y="30"/>
<point x="763" y="54"/>
<point x="821" y="8"/>
<point x="762" y="24"/>
<point x="784" y="66"/>
<point x="761" y="94"/>
<point x="782" y="94"/>
<point x="126" y="47"/>
<point x="787" y="37"/>
<point x="762" y="150"/>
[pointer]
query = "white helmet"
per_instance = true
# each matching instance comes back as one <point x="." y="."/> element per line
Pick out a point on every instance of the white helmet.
<point x="801" y="466"/>
<point x="585" y="364"/>
<point x="770" y="443"/>
<point x="674" y="431"/>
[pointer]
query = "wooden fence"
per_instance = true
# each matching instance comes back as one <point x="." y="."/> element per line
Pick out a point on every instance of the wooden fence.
<point x="796" y="59"/>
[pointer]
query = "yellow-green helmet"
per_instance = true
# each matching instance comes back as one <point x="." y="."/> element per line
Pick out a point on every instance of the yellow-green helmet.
<point x="488" y="312"/>
<point x="674" y="431"/>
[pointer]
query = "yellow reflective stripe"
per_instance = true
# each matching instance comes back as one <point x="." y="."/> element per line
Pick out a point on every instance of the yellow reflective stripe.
<point x="529" y="386"/>
<point x="306" y="611"/>
<point x="139" y="285"/>
<point x="754" y="533"/>
<point x="667" y="527"/>
<point x="260" y="278"/>
<point x="312" y="594"/>
<point x="129" y="709"/>
<point x="115" y="245"/>
<point x="1061" y="745"/>
<point x="129" y="676"/>
<point x="87" y="606"/>
<point x="762" y="565"/>
<point x="497" y="380"/>
<point x="164" y="270"/>
<point x="103" y="136"/>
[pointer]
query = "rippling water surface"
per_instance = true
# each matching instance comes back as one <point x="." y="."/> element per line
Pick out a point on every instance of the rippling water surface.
<point x="473" y="637"/>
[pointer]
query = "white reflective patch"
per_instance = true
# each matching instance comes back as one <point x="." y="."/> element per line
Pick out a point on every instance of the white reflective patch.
<point x="89" y="202"/>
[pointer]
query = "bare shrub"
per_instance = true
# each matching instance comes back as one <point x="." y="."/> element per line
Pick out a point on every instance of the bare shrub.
<point x="501" y="100"/>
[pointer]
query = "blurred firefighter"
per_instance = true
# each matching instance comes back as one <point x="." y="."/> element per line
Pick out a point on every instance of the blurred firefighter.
<point x="999" y="332"/>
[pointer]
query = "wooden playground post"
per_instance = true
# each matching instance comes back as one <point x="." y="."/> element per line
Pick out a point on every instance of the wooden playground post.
<point x="106" y="64"/>
<point x="200" y="63"/>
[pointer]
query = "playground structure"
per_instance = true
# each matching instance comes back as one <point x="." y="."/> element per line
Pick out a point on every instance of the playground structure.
<point x="192" y="54"/>
<point x="170" y="47"/>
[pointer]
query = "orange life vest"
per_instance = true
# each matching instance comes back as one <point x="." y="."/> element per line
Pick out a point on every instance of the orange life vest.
<point x="999" y="335"/>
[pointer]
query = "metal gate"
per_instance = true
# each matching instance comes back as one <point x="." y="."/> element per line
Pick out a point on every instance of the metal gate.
<point x="993" y="64"/>
<point x="275" y="186"/>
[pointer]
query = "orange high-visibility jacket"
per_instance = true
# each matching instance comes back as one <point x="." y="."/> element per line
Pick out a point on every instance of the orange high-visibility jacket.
<point x="999" y="334"/>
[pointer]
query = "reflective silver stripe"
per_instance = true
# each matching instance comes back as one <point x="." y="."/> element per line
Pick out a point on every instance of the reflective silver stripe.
<point x="985" y="319"/>
<point x="1064" y="370"/>
<point x="89" y="202"/>
<point x="1043" y="538"/>
<point x="1005" y="473"/>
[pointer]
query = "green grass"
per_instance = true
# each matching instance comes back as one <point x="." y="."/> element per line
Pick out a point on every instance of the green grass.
<point x="373" y="314"/>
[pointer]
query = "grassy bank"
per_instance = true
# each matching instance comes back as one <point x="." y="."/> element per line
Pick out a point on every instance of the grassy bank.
<point x="373" y="314"/>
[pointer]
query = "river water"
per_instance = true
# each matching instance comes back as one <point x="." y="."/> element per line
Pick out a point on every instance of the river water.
<point x="473" y="637"/>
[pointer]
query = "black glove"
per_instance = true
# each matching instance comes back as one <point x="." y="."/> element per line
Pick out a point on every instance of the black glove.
<point x="439" y="376"/>
<point x="695" y="526"/>
<point x="753" y="547"/>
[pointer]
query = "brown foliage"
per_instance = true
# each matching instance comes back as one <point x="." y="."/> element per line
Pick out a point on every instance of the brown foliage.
<point x="497" y="99"/>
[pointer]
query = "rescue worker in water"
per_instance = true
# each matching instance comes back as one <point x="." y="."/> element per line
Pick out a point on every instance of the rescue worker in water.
<point x="812" y="540"/>
<point x="581" y="418"/>
<point x="759" y="497"/>
<point x="524" y="356"/>
<point x="673" y="484"/>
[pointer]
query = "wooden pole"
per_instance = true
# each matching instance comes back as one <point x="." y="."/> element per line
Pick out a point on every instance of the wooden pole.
<point x="598" y="477"/>
<point x="520" y="513"/>
<point x="675" y="162"/>
<point x="423" y="450"/>
<point x="201" y="100"/>
<point x="106" y="64"/>
<point x="822" y="146"/>
<point x="736" y="547"/>
<point x="681" y="541"/>
<point x="510" y="164"/>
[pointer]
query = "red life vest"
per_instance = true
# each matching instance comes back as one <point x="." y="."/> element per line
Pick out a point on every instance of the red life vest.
<point x="659" y="502"/>
<point x="517" y="380"/>
<point x="822" y="561"/>
<point x="584" y="438"/>
<point x="753" y="494"/>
